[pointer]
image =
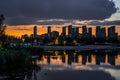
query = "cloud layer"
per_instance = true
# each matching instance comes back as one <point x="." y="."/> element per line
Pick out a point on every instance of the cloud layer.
<point x="29" y="11"/>
<point x="117" y="22"/>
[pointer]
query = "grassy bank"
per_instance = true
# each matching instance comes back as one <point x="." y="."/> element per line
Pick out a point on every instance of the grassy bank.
<point x="14" y="62"/>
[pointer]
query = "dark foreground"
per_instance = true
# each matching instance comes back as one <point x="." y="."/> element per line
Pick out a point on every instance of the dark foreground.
<point x="75" y="65"/>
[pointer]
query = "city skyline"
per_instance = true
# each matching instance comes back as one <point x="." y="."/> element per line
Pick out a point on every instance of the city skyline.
<point x="71" y="31"/>
<point x="70" y="35"/>
<point x="19" y="31"/>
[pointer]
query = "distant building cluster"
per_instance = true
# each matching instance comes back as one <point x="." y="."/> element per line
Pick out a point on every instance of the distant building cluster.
<point x="71" y="34"/>
<point x="101" y="32"/>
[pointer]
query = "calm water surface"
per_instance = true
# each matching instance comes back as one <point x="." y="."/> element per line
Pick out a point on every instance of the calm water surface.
<point x="78" y="65"/>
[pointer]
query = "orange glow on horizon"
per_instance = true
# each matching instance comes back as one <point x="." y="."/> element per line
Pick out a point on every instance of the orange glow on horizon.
<point x="20" y="30"/>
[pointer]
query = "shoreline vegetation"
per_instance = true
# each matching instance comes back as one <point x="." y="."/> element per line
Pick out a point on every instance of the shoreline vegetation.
<point x="15" y="63"/>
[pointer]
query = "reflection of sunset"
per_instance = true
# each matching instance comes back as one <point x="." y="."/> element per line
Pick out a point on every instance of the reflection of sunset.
<point x="28" y="29"/>
<point x="118" y="59"/>
<point x="58" y="60"/>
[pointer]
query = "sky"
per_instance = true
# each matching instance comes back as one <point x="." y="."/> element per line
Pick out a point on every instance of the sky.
<point x="48" y="12"/>
<point x="116" y="16"/>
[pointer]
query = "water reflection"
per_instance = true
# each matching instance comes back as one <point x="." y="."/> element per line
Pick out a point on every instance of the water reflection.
<point x="79" y="65"/>
<point x="75" y="65"/>
<point x="81" y="57"/>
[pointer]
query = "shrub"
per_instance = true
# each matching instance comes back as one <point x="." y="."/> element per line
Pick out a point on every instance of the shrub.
<point x="14" y="61"/>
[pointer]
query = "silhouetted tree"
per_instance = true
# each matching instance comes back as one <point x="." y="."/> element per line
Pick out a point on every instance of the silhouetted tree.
<point x="2" y="26"/>
<point x="2" y="30"/>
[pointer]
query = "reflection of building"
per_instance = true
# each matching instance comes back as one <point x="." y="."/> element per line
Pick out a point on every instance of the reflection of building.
<point x="111" y="58"/>
<point x="76" y="58"/>
<point x="111" y="33"/>
<point x="100" y="58"/>
<point x="35" y="31"/>
<point x="84" y="59"/>
<point x="48" y="59"/>
<point x="70" y="59"/>
<point x="89" y="58"/>
<point x="63" y="59"/>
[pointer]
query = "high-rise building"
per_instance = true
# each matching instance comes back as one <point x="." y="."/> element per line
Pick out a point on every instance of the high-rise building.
<point x="49" y="31"/>
<point x="54" y="34"/>
<point x="111" y="33"/>
<point x="64" y="31"/>
<point x="103" y="33"/>
<point x="100" y="32"/>
<point x="111" y="58"/>
<point x="76" y="31"/>
<point x="84" y="30"/>
<point x="90" y="31"/>
<point x="70" y="30"/>
<point x="35" y="31"/>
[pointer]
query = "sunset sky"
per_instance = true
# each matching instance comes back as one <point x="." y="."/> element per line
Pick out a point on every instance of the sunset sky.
<point x="22" y="15"/>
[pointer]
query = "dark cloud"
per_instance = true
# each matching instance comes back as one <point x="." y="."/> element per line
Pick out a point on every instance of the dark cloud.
<point x="104" y="22"/>
<point x="19" y="20"/>
<point x="32" y="10"/>
<point x="53" y="21"/>
<point x="33" y="21"/>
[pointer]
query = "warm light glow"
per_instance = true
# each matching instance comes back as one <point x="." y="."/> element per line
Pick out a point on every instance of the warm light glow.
<point x="56" y="41"/>
<point x="74" y="41"/>
<point x="20" y="30"/>
<point x="58" y="59"/>
<point x="64" y="53"/>
<point x="23" y="39"/>
<point x="65" y="42"/>
<point x="56" y="53"/>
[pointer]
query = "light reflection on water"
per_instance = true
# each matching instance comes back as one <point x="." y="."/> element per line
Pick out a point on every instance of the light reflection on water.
<point x="84" y="58"/>
<point x="79" y="66"/>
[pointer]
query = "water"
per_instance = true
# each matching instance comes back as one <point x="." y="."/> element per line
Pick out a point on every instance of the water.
<point x="79" y="65"/>
<point x="76" y="65"/>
